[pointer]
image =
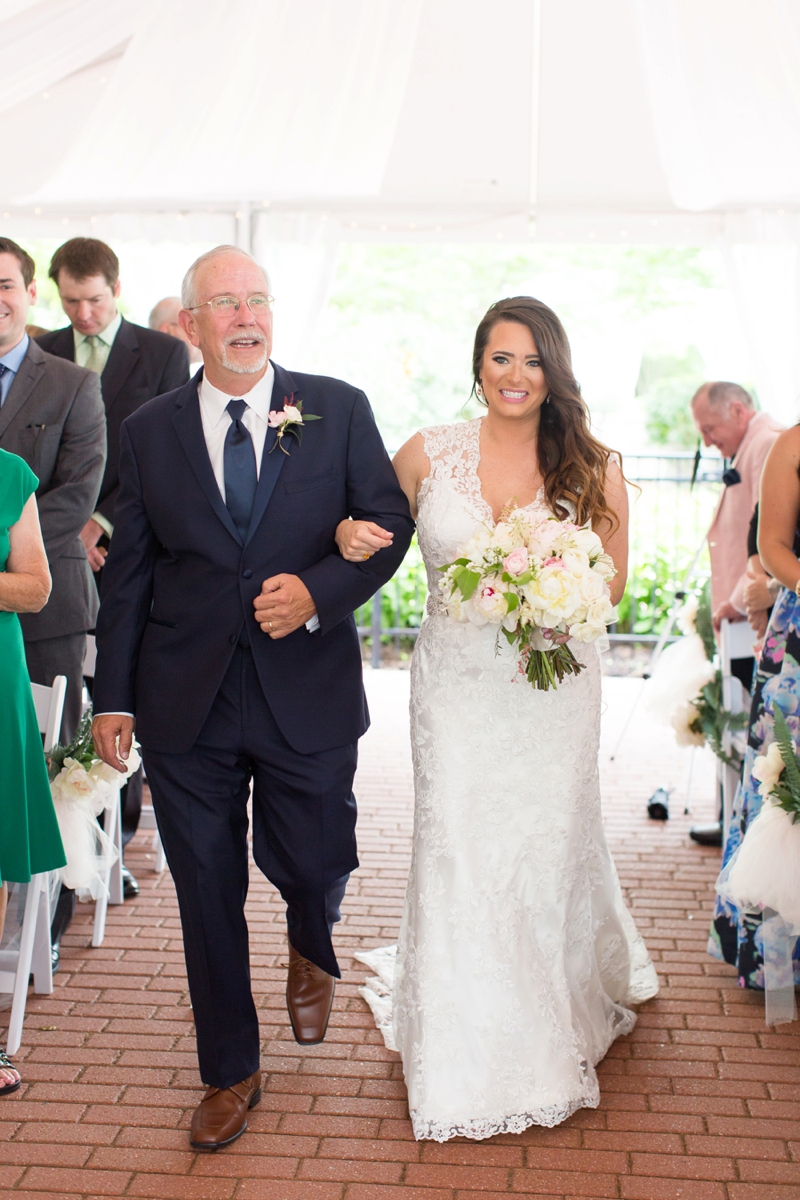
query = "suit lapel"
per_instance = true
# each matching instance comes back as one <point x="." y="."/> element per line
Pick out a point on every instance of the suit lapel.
<point x="122" y="358"/>
<point x="30" y="372"/>
<point x="189" y="428"/>
<point x="63" y="345"/>
<point x="272" y="458"/>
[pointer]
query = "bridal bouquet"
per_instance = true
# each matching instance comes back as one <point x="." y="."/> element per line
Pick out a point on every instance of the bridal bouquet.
<point x="541" y="581"/>
<point x="82" y="786"/>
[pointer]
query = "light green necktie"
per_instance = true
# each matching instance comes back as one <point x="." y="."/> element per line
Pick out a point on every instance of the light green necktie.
<point x="96" y="360"/>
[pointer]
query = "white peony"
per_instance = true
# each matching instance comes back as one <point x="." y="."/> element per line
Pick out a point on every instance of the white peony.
<point x="768" y="768"/>
<point x="575" y="561"/>
<point x="490" y="602"/>
<point x="587" y="541"/>
<point x="72" y="782"/>
<point x="555" y="593"/>
<point x="585" y="631"/>
<point x="101" y="772"/>
<point x="593" y="586"/>
<point x="681" y="720"/>
<point x="604" y="566"/>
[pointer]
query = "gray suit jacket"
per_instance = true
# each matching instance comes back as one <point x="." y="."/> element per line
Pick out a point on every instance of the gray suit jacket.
<point x="53" y="417"/>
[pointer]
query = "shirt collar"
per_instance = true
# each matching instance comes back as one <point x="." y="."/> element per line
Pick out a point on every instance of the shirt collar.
<point x="14" y="357"/>
<point x="108" y="334"/>
<point x="258" y="398"/>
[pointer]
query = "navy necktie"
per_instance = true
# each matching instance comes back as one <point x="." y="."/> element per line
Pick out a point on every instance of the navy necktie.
<point x="240" y="469"/>
<point x="3" y="369"/>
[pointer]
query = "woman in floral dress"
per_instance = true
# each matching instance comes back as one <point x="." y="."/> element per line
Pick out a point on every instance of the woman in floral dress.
<point x="737" y="937"/>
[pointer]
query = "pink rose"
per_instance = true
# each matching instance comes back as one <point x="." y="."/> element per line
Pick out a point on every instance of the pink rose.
<point x="554" y="562"/>
<point x="517" y="561"/>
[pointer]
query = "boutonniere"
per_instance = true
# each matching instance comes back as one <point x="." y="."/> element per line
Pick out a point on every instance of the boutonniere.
<point x="290" y="420"/>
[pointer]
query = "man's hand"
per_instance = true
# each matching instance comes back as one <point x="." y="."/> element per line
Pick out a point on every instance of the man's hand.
<point x="285" y="604"/>
<point x="90" y="536"/>
<point x="105" y="730"/>
<point x="359" y="540"/>
<point x="725" y="612"/>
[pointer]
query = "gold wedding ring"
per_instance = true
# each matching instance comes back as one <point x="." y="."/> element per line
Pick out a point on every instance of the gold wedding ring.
<point x="270" y="624"/>
<point x="365" y="556"/>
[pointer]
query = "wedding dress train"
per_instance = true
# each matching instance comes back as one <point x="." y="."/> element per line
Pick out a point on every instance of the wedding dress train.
<point x="517" y="957"/>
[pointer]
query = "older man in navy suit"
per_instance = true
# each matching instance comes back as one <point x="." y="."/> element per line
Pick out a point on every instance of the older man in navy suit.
<point x="226" y="631"/>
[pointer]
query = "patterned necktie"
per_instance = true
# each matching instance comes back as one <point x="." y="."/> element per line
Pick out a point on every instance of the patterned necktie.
<point x="95" y="360"/>
<point x="3" y="369"/>
<point x="240" y="468"/>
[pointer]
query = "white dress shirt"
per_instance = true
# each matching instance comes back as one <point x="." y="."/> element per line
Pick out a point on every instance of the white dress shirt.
<point x="217" y="420"/>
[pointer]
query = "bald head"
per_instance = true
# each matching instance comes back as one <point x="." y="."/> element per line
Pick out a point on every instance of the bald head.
<point x="164" y="318"/>
<point x="722" y="411"/>
<point x="214" y="263"/>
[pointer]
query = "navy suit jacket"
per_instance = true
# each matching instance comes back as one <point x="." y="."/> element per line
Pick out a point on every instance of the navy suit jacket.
<point x="179" y="584"/>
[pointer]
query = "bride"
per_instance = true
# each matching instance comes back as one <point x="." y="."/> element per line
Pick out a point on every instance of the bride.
<point x="517" y="959"/>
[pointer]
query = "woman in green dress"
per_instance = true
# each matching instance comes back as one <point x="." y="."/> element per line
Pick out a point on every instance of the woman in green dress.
<point x="30" y="841"/>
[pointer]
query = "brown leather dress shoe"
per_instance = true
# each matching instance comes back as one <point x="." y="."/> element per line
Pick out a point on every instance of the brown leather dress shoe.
<point x="309" y="998"/>
<point x="221" y="1116"/>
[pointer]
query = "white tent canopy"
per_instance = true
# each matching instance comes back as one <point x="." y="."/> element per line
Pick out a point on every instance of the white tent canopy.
<point x="556" y="120"/>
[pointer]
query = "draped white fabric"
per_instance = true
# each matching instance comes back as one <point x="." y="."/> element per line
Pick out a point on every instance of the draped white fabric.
<point x="631" y="120"/>
<point x="723" y="79"/>
<point x="292" y="106"/>
<point x="44" y="43"/>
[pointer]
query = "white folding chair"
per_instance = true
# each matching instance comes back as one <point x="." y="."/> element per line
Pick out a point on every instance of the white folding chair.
<point x="735" y="641"/>
<point x="34" y="942"/>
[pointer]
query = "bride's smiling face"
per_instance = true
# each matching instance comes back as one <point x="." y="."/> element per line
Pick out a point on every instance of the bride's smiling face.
<point x="512" y="378"/>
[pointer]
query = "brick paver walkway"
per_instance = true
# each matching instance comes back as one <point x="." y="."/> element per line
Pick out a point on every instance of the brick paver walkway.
<point x="699" y="1103"/>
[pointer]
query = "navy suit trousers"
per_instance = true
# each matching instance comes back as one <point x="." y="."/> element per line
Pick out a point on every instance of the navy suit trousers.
<point x="304" y="817"/>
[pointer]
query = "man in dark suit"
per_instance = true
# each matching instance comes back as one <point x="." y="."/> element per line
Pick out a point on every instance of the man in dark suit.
<point x="134" y="364"/>
<point x="52" y="415"/>
<point x="226" y="629"/>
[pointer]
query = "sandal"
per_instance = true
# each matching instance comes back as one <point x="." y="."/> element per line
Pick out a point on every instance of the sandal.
<point x="7" y="1065"/>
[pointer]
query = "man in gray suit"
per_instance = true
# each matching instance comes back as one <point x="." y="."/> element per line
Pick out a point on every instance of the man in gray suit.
<point x="52" y="415"/>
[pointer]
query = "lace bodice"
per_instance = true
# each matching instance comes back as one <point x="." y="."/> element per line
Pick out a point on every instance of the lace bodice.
<point x="450" y="499"/>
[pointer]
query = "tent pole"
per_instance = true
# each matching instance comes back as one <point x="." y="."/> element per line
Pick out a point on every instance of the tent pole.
<point x="244" y="226"/>
<point x="536" y="62"/>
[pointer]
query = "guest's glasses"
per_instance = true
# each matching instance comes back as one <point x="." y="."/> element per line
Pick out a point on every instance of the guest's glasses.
<point x="225" y="306"/>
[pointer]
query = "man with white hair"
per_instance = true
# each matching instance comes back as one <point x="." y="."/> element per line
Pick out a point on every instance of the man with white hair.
<point x="164" y="318"/>
<point x="726" y="417"/>
<point x="226" y="632"/>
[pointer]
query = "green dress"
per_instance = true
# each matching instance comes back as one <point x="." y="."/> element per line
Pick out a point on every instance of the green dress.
<point x="30" y="841"/>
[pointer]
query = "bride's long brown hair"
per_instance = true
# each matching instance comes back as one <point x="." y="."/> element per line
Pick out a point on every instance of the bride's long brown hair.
<point x="574" y="464"/>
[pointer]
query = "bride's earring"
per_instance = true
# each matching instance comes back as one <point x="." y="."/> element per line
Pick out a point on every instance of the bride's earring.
<point x="479" y="391"/>
<point x="547" y="401"/>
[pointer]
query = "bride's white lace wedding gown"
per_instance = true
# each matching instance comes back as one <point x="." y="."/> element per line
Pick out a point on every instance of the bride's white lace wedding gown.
<point x="517" y="956"/>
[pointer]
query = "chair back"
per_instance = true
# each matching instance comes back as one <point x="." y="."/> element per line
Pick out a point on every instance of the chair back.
<point x="49" y="702"/>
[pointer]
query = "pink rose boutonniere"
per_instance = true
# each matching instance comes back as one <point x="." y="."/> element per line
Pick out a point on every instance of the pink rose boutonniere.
<point x="290" y="420"/>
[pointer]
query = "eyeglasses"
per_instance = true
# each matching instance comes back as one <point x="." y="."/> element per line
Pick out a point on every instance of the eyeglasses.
<point x="259" y="305"/>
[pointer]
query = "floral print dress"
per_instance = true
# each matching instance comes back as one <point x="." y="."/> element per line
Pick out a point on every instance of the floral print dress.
<point x="736" y="937"/>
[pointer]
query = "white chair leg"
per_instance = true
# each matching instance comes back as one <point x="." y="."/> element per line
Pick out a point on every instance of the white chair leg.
<point x="161" y="858"/>
<point x="102" y="901"/>
<point x="42" y="959"/>
<point x="27" y="935"/>
<point x="116" y="895"/>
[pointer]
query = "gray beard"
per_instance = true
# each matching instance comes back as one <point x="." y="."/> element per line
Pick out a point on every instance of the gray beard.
<point x="240" y="368"/>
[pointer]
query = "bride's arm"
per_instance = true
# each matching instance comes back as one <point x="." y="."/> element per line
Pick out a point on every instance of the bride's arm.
<point x="615" y="538"/>
<point x="358" y="540"/>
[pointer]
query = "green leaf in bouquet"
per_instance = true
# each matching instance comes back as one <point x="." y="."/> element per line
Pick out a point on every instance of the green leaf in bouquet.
<point x="509" y="635"/>
<point x="784" y="740"/>
<point x="512" y="601"/>
<point x="81" y="748"/>
<point x="466" y="581"/>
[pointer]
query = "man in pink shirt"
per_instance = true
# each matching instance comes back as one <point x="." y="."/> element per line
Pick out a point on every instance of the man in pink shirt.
<point x="726" y="417"/>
